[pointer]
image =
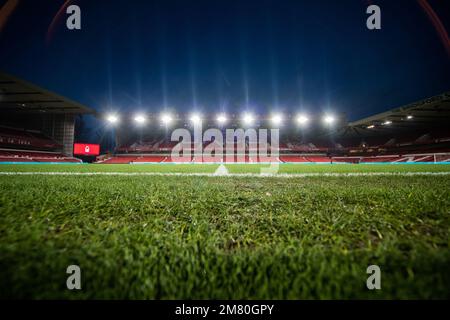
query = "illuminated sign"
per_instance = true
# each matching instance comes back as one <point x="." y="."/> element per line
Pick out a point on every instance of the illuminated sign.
<point x="86" y="149"/>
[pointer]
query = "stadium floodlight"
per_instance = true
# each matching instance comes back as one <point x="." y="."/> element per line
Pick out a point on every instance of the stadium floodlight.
<point x="196" y="118"/>
<point x="387" y="122"/>
<point x="222" y="118"/>
<point x="371" y="126"/>
<point x="248" y="118"/>
<point x="112" y="118"/>
<point x="140" y="119"/>
<point x="276" y="119"/>
<point x="302" y="119"/>
<point x="329" y="119"/>
<point x="409" y="117"/>
<point x="166" y="118"/>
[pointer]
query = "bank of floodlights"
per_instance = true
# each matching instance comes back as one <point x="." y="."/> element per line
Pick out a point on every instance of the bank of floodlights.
<point x="248" y="118"/>
<point x="140" y="119"/>
<point x="276" y="119"/>
<point x="112" y="118"/>
<point x="221" y="119"/>
<point x="329" y="119"/>
<point x="302" y="119"/>
<point x="166" y="118"/>
<point x="196" y="118"/>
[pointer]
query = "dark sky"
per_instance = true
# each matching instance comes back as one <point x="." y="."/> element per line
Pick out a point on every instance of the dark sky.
<point x="230" y="55"/>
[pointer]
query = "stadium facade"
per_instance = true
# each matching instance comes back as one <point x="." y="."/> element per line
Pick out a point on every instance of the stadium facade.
<point x="37" y="125"/>
<point x="418" y="132"/>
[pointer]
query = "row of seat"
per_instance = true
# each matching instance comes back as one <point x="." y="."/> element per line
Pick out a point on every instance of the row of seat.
<point x="123" y="159"/>
<point x="15" y="138"/>
<point x="30" y="156"/>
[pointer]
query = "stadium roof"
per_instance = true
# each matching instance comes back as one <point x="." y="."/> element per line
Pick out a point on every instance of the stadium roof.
<point x="434" y="111"/>
<point x="17" y="95"/>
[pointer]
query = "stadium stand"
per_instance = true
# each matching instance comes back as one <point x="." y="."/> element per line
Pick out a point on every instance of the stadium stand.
<point x="418" y="132"/>
<point x="150" y="159"/>
<point x="10" y="137"/>
<point x="11" y="155"/>
<point x="36" y="125"/>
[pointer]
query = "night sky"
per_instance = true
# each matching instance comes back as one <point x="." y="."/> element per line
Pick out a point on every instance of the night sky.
<point x="231" y="55"/>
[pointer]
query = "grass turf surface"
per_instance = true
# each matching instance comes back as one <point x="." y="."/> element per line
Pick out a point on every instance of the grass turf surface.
<point x="224" y="237"/>
<point x="232" y="168"/>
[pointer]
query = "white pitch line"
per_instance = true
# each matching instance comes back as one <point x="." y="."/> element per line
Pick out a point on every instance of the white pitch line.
<point x="255" y="175"/>
<point x="221" y="171"/>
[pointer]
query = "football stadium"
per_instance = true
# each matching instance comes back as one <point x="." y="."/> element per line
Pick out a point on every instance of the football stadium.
<point x="345" y="195"/>
<point x="224" y="151"/>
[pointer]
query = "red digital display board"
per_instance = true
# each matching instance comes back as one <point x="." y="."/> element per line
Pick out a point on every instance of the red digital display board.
<point x="86" y="149"/>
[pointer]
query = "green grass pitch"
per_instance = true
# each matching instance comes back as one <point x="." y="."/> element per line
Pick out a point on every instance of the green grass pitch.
<point x="216" y="237"/>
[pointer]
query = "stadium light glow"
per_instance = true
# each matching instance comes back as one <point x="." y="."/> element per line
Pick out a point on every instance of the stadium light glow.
<point x="371" y="126"/>
<point x="112" y="118"/>
<point x="166" y="118"/>
<point x="140" y="119"/>
<point x="196" y="118"/>
<point x="328" y="119"/>
<point x="248" y="118"/>
<point x="302" y="119"/>
<point x="387" y="122"/>
<point x="221" y="118"/>
<point x="409" y="117"/>
<point x="276" y="119"/>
